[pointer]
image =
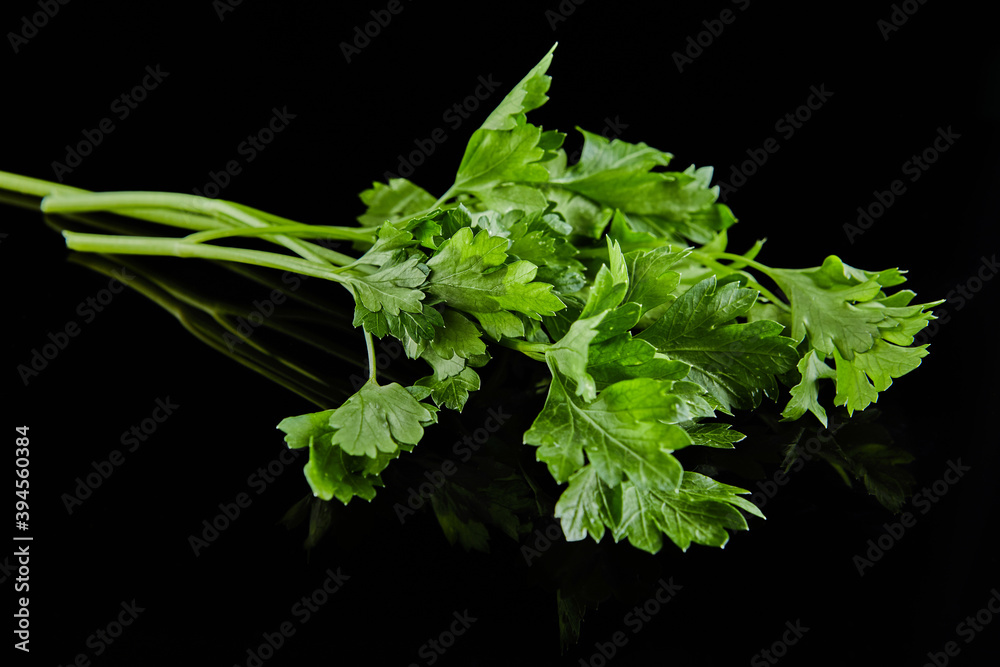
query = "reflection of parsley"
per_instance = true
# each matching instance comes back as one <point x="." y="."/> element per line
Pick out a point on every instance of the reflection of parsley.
<point x="612" y="271"/>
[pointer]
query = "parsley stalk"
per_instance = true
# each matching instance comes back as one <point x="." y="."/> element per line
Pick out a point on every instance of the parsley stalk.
<point x="370" y="347"/>
<point x="710" y="260"/>
<point x="535" y="351"/>
<point x="152" y="245"/>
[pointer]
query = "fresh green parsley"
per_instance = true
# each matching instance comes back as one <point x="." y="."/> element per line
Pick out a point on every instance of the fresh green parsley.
<point x="612" y="275"/>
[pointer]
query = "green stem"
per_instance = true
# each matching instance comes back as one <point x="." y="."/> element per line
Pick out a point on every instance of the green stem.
<point x="297" y="230"/>
<point x="763" y="268"/>
<point x="707" y="260"/>
<point x="145" y="245"/>
<point x="304" y="248"/>
<point x="449" y="193"/>
<point x="370" y="346"/>
<point x="35" y="187"/>
<point x="224" y="212"/>
<point x="601" y="251"/>
<point x="106" y="201"/>
<point x="534" y="350"/>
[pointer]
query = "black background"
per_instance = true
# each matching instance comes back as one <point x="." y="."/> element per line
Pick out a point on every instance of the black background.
<point x="351" y="121"/>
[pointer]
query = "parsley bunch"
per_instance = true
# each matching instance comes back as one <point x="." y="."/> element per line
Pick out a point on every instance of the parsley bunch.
<point x="613" y="272"/>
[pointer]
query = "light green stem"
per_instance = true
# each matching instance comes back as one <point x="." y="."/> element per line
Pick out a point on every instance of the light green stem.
<point x="37" y="187"/>
<point x="763" y="268"/>
<point x="370" y="346"/>
<point x="451" y="192"/>
<point x="145" y="245"/>
<point x="299" y="231"/>
<point x="534" y="350"/>
<point x="708" y="260"/>
<point x="223" y="211"/>
<point x="307" y="231"/>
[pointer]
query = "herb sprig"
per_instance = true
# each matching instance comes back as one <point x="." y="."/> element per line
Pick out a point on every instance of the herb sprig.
<point x="612" y="272"/>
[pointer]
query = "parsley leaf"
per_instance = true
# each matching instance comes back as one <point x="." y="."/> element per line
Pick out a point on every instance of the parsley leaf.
<point x="496" y="157"/>
<point x="588" y="505"/>
<point x="379" y="419"/>
<point x="700" y="511"/>
<point x="397" y="200"/>
<point x="332" y="472"/>
<point x="824" y="306"/>
<point x="452" y="380"/>
<point x="570" y="354"/>
<point x="528" y="94"/>
<point x="620" y="175"/>
<point x="806" y="393"/>
<point x="859" y="380"/>
<point x="843" y="313"/>
<point x="736" y="363"/>
<point x="651" y="282"/>
<point x="405" y="326"/>
<point x="468" y="273"/>
<point x="391" y="289"/>
<point x="626" y="431"/>
<point x="455" y="335"/>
